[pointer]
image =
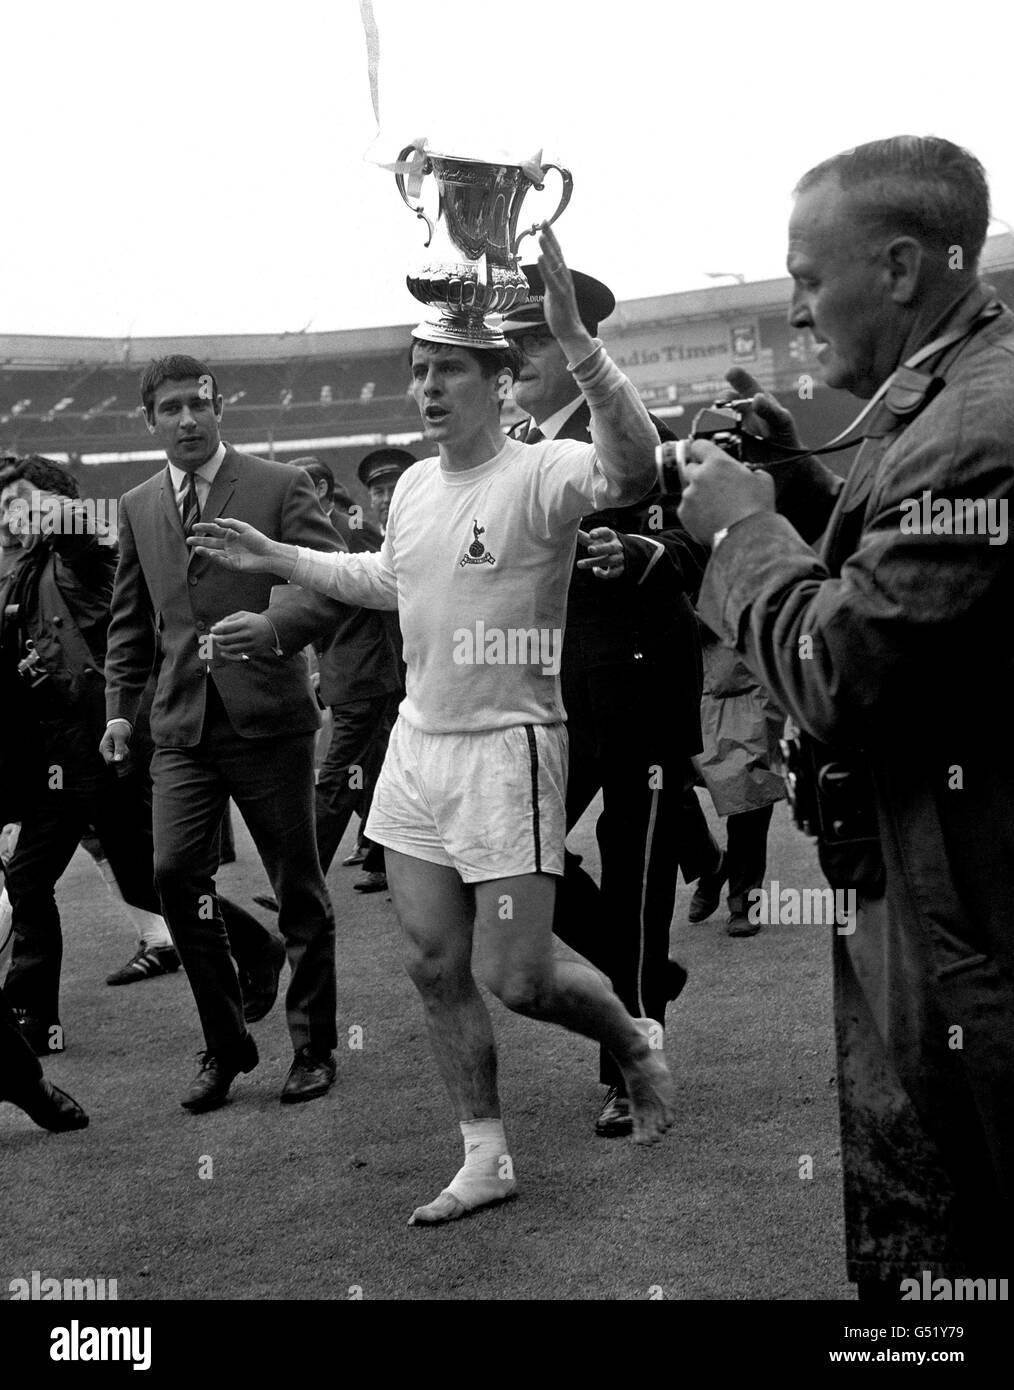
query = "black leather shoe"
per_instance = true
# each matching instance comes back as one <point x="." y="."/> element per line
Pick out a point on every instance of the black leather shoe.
<point x="739" y="924"/>
<point x="614" y="1121"/>
<point x="676" y="978"/>
<point x="260" y="983"/>
<point x="371" y="883"/>
<point x="42" y="1038"/>
<point x="708" y="894"/>
<point x="266" y="900"/>
<point x="48" y="1106"/>
<point x="210" y="1086"/>
<point x="309" y="1076"/>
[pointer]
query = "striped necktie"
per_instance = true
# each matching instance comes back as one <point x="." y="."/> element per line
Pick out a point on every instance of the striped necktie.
<point x="191" y="505"/>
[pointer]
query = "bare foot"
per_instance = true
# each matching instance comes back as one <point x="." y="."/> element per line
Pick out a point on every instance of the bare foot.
<point x="650" y="1090"/>
<point x="448" y="1207"/>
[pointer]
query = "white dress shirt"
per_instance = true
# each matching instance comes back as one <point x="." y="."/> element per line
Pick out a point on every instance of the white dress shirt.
<point x="203" y="476"/>
<point x="551" y="427"/>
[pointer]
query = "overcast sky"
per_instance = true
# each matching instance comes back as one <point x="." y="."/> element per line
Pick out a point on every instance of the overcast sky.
<point x="205" y="167"/>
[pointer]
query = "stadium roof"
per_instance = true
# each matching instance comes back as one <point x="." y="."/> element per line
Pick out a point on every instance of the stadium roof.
<point x="35" y="351"/>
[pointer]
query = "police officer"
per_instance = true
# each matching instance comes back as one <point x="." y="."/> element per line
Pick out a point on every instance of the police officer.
<point x="631" y="682"/>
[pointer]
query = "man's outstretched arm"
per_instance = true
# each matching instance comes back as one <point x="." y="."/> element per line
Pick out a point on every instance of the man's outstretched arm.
<point x="366" y="578"/>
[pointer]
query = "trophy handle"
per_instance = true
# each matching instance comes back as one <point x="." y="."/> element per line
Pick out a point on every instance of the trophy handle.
<point x="400" y="181"/>
<point x="568" y="189"/>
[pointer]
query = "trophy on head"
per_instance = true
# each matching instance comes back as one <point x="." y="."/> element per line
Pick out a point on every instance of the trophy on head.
<point x="472" y="268"/>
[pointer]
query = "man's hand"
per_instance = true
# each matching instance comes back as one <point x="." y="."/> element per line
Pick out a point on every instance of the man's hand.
<point x="768" y="418"/>
<point x="115" y="744"/>
<point x="560" y="306"/>
<point x="242" y="633"/>
<point x="605" y="550"/>
<point x="718" y="491"/>
<point x="240" y="547"/>
<point x="9" y="839"/>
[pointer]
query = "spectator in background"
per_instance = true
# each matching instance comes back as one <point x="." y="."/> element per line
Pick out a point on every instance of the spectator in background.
<point x="741" y="768"/>
<point x="379" y="472"/>
<point x="10" y="546"/>
<point x="54" y="612"/>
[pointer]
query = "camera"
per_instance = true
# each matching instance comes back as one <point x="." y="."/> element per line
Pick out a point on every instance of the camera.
<point x="31" y="667"/>
<point x="831" y="797"/>
<point x="720" y="424"/>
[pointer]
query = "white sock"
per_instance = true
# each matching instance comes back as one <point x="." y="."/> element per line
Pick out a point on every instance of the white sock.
<point x="150" y="927"/>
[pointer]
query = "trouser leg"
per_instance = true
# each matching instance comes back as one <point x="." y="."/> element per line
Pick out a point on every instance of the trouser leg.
<point x="20" y="1070"/>
<point x="189" y="798"/>
<point x="747" y="854"/>
<point x="49" y="836"/>
<point x="698" y="849"/>
<point x="271" y="781"/>
<point x="636" y="834"/>
<point x="345" y="782"/>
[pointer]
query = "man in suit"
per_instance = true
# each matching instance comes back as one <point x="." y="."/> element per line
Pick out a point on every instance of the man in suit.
<point x="892" y="649"/>
<point x="631" y="681"/>
<point x="233" y="715"/>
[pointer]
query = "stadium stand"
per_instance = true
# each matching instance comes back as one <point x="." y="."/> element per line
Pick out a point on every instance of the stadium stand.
<point x="339" y="394"/>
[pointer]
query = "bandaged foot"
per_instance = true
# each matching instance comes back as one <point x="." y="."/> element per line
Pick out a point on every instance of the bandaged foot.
<point x="485" y="1178"/>
<point x="649" y="1087"/>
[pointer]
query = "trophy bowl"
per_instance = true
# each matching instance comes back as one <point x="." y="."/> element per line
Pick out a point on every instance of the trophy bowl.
<point x="472" y="267"/>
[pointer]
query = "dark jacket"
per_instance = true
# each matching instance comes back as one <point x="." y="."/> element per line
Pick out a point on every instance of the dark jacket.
<point x="361" y="658"/>
<point x="166" y="599"/>
<point x="647" y="614"/>
<point x="61" y="589"/>
<point x="911" y="671"/>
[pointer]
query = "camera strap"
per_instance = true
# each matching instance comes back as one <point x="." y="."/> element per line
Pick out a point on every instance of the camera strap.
<point x="908" y="391"/>
<point x="899" y="399"/>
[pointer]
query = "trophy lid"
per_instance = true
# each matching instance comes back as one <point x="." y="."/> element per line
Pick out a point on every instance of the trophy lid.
<point x="461" y="330"/>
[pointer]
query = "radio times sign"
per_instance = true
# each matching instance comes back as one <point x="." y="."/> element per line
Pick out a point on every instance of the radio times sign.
<point x="687" y="360"/>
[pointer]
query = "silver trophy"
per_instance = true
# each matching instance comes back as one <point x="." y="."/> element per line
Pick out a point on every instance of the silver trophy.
<point x="472" y="267"/>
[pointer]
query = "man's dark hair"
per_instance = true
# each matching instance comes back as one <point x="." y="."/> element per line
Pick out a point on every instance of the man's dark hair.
<point x="492" y="361"/>
<point x="42" y="473"/>
<point x="341" y="496"/>
<point x="177" y="367"/>
<point x="913" y="185"/>
<point x="320" y="473"/>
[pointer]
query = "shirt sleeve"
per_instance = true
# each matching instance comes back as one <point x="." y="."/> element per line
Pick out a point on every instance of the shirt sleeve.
<point x="570" y="482"/>
<point x="366" y="578"/>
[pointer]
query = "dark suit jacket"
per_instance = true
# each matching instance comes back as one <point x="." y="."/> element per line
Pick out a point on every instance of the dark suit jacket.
<point x="361" y="658"/>
<point x="166" y="599"/>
